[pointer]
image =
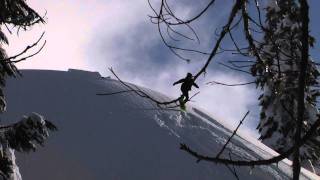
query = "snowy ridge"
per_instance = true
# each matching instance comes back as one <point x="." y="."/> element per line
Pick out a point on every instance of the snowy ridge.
<point x="123" y="136"/>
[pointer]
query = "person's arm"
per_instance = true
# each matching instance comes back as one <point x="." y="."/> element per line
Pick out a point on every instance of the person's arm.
<point x="180" y="81"/>
<point x="195" y="85"/>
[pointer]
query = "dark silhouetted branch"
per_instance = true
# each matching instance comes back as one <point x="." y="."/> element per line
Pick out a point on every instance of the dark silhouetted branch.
<point x="12" y="59"/>
<point x="113" y="93"/>
<point x="234" y="133"/>
<point x="234" y="11"/>
<point x="235" y="69"/>
<point x="313" y="129"/>
<point x="224" y="84"/>
<point x="161" y="104"/>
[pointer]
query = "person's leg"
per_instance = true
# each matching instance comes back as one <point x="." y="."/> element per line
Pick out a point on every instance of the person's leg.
<point x="186" y="95"/>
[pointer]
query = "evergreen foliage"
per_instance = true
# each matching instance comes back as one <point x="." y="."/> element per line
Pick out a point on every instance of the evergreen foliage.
<point x="278" y="74"/>
<point x="31" y="130"/>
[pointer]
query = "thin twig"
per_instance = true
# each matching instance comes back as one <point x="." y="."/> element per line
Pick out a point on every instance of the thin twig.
<point x="113" y="93"/>
<point x="234" y="11"/>
<point x="143" y="94"/>
<point x="234" y="132"/>
<point x="224" y="84"/>
<point x="26" y="50"/>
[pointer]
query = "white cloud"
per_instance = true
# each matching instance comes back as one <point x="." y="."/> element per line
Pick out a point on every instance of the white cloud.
<point x="69" y="27"/>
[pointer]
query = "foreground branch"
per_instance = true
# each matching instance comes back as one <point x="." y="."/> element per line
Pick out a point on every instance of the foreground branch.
<point x="224" y="31"/>
<point x="13" y="59"/>
<point x="275" y="159"/>
<point x="224" y="84"/>
<point x="161" y="104"/>
<point x="234" y="132"/>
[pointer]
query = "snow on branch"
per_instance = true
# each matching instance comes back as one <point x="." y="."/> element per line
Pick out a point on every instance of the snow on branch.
<point x="24" y="135"/>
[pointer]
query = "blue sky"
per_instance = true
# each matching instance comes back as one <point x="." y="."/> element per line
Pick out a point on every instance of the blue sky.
<point x="97" y="34"/>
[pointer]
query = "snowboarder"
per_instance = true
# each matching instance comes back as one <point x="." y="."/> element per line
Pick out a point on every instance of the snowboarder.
<point x="187" y="83"/>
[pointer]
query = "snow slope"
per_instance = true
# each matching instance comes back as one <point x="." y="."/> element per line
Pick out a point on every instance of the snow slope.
<point x="122" y="136"/>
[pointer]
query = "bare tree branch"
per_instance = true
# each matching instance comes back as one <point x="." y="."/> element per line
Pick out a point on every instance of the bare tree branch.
<point x="234" y="11"/>
<point x="272" y="160"/>
<point x="224" y="84"/>
<point x="161" y="104"/>
<point x="12" y="58"/>
<point x="234" y="132"/>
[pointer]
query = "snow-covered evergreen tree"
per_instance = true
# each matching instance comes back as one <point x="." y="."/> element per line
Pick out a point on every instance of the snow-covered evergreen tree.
<point x="31" y="130"/>
<point x="277" y="75"/>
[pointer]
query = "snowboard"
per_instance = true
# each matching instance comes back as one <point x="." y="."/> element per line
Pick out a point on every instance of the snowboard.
<point x="182" y="104"/>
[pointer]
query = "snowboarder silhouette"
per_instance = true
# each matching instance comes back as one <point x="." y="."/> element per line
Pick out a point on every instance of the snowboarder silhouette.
<point x="187" y="83"/>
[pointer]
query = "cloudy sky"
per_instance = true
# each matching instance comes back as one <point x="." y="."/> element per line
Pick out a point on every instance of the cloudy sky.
<point x="96" y="34"/>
